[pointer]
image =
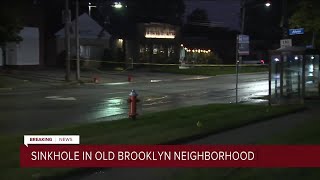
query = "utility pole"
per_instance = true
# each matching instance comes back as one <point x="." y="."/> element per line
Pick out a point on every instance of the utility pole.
<point x="285" y="18"/>
<point x="285" y="66"/>
<point x="77" y="40"/>
<point x="67" y="39"/>
<point x="239" y="57"/>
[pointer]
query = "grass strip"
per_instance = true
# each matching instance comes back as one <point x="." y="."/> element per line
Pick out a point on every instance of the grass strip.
<point x="154" y="128"/>
<point x="306" y="134"/>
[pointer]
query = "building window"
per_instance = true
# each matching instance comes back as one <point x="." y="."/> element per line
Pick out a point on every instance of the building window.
<point x="155" y="49"/>
<point x="170" y="51"/>
<point x="142" y="49"/>
<point x="162" y="32"/>
<point x="119" y="43"/>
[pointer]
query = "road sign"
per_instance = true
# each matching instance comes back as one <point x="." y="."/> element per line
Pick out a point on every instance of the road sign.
<point x="243" y="38"/>
<point x="285" y="43"/>
<point x="243" y="42"/>
<point x="244" y="49"/>
<point x="309" y="46"/>
<point x="296" y="31"/>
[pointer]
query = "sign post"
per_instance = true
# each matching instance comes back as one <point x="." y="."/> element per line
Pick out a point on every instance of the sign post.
<point x="241" y="50"/>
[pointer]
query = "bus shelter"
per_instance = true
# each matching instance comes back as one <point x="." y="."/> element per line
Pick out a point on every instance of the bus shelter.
<point x="293" y="75"/>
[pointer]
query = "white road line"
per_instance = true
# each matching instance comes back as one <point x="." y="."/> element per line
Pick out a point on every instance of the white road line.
<point x="195" y="78"/>
<point x="155" y="81"/>
<point x="52" y="97"/>
<point x="65" y="99"/>
<point x="60" y="98"/>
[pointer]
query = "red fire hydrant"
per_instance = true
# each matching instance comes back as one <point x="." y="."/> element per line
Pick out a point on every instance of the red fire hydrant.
<point x="129" y="78"/>
<point x="133" y="100"/>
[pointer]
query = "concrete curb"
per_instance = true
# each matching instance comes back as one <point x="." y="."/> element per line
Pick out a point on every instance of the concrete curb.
<point x="77" y="173"/>
<point x="243" y="74"/>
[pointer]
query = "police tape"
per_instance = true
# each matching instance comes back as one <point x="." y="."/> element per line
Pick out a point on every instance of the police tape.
<point x="163" y="64"/>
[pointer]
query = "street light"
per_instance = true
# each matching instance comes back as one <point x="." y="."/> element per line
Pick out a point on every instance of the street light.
<point x="90" y="6"/>
<point x="268" y="4"/>
<point x="117" y="5"/>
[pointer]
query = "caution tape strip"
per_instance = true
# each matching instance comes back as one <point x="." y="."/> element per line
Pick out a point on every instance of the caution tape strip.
<point x="192" y="65"/>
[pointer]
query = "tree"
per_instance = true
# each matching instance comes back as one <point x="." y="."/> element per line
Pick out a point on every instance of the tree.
<point x="197" y="23"/>
<point x="10" y="26"/>
<point x="198" y="17"/>
<point x="307" y="16"/>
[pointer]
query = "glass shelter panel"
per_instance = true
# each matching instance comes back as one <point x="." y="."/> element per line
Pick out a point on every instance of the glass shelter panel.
<point x="275" y="77"/>
<point x="292" y="75"/>
<point x="312" y="85"/>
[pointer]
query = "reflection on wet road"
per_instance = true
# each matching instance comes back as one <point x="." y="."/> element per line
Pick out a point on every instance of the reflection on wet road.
<point x="110" y="107"/>
<point x="24" y="112"/>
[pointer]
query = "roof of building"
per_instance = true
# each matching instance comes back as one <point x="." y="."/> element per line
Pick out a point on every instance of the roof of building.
<point x="88" y="28"/>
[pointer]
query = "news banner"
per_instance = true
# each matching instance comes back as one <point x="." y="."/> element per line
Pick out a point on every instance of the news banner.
<point x="66" y="151"/>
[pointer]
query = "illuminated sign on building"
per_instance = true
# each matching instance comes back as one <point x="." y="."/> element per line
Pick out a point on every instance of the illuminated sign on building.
<point x="160" y="36"/>
<point x="160" y="32"/>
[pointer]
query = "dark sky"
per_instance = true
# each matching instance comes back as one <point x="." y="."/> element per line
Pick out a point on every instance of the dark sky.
<point x="221" y="12"/>
<point x="227" y="12"/>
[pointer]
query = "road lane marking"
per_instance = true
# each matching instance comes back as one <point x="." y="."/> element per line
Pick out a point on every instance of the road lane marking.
<point x="65" y="99"/>
<point x="52" y="97"/>
<point x="195" y="78"/>
<point x="60" y="98"/>
<point x="155" y="81"/>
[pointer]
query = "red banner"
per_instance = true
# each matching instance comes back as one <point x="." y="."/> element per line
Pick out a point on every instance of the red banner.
<point x="169" y="156"/>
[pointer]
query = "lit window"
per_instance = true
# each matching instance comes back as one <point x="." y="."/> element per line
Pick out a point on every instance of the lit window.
<point x="155" y="49"/>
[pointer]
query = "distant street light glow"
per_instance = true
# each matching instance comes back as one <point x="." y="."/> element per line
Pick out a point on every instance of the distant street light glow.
<point x="117" y="5"/>
<point x="268" y="4"/>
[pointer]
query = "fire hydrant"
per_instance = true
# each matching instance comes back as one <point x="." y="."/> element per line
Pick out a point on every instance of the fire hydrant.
<point x="133" y="100"/>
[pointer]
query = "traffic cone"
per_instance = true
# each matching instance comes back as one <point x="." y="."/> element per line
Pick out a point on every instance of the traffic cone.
<point x="95" y="79"/>
<point x="129" y="78"/>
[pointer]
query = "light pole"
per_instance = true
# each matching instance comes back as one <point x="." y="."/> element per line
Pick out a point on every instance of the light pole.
<point x="67" y="39"/>
<point x="242" y="30"/>
<point x="285" y="19"/>
<point x="77" y="41"/>
<point x="90" y="6"/>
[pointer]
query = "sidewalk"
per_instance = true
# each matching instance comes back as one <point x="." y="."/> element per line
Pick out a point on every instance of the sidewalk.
<point x="56" y="78"/>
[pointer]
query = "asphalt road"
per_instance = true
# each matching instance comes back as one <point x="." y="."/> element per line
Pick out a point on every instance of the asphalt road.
<point x="25" y="111"/>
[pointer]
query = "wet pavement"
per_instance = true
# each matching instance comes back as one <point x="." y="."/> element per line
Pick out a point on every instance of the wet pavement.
<point x="25" y="111"/>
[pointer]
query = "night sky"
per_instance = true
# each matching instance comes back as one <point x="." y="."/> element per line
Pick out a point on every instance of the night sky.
<point x="221" y="12"/>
